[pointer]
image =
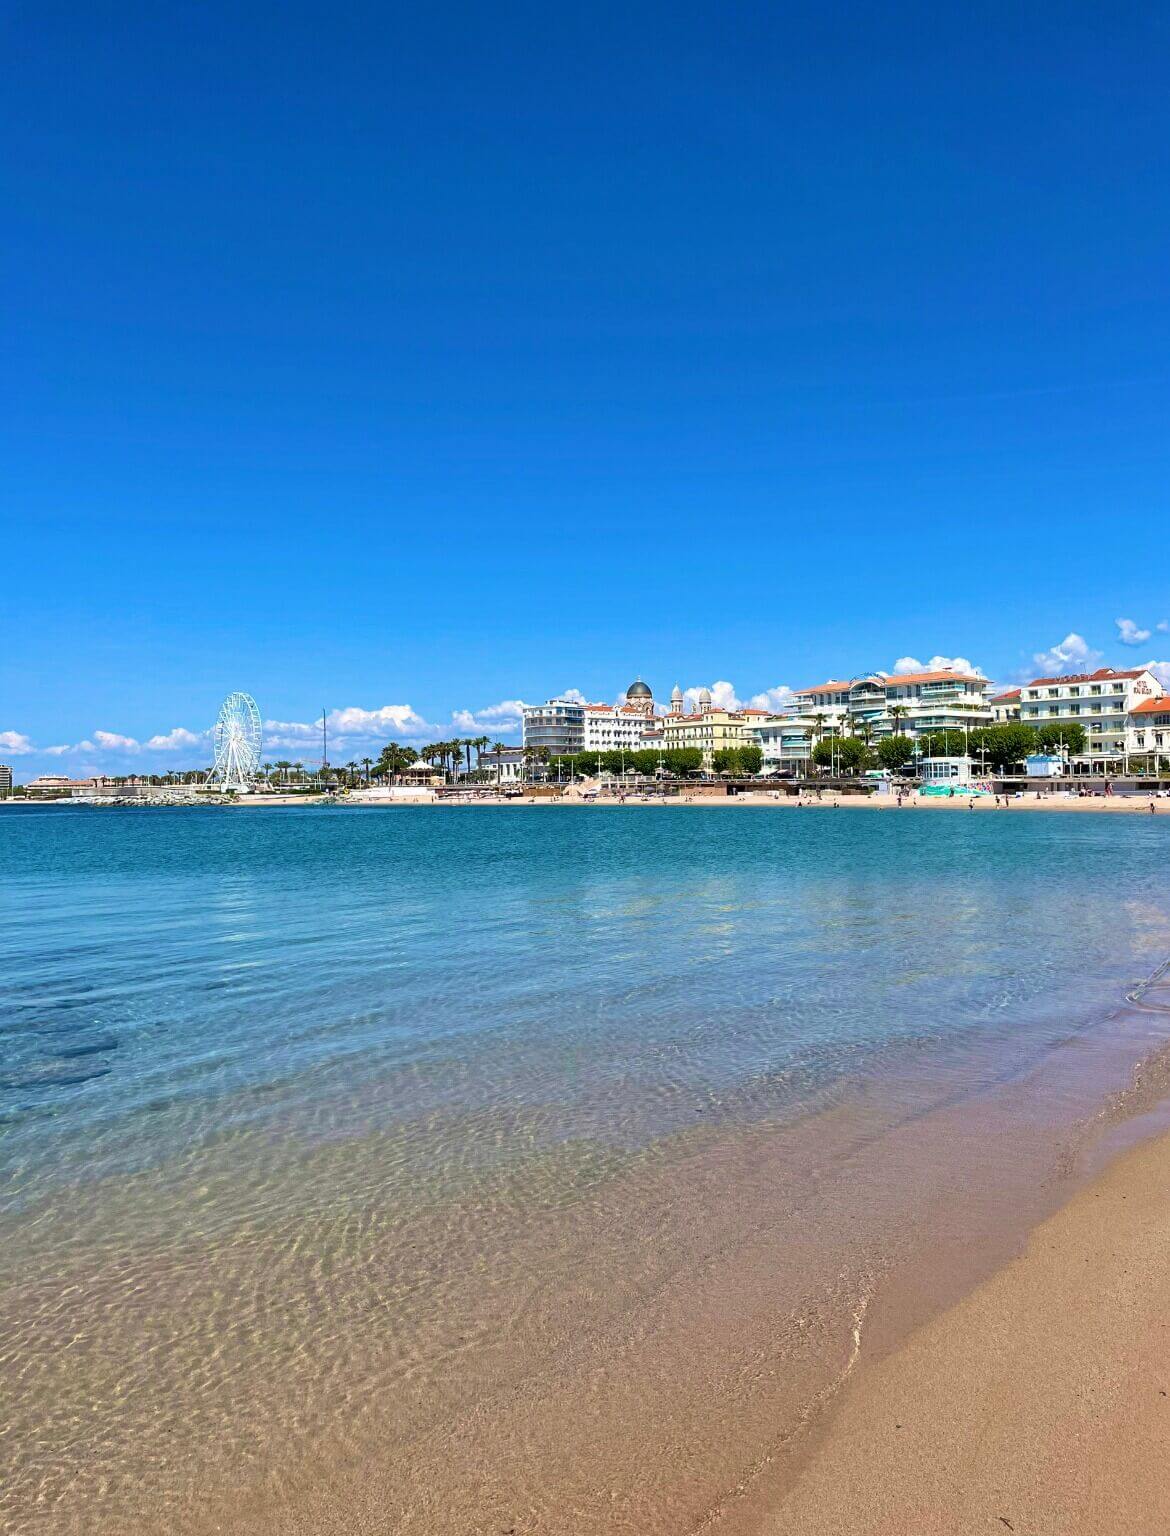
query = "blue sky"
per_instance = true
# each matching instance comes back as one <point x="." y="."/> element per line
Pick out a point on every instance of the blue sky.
<point x="411" y="361"/>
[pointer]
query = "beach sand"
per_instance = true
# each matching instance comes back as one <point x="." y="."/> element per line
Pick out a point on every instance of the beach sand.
<point x="1039" y="1404"/>
<point x="779" y="800"/>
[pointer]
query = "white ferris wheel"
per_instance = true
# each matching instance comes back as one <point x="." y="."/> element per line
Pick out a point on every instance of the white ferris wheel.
<point x="237" y="736"/>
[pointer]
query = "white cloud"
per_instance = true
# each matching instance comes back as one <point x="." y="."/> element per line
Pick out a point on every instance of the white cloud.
<point x="390" y="718"/>
<point x="1072" y="653"/>
<point x="771" y="698"/>
<point x="1129" y="633"/>
<point x="1161" y="670"/>
<point x="57" y="751"/>
<point x="110" y="741"/>
<point x="507" y="715"/>
<point x="907" y="664"/>
<point x="723" y="696"/>
<point x="15" y="743"/>
<point x="577" y="696"/>
<point x="349" y="729"/>
<point x="1162" y="626"/>
<point x="172" y="741"/>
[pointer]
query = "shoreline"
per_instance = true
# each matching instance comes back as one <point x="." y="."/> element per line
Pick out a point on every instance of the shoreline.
<point x="719" y="1378"/>
<point x="1038" y="1403"/>
<point x="1113" y="805"/>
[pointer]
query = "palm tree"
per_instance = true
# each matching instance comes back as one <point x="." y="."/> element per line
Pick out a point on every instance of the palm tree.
<point x="351" y="771"/>
<point x="479" y="744"/>
<point x="498" y="752"/>
<point x="818" y="723"/>
<point x="898" y="713"/>
<point x="367" y="764"/>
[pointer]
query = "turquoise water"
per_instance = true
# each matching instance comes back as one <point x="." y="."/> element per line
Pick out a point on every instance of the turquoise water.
<point x="409" y="1140"/>
<point x="470" y="977"/>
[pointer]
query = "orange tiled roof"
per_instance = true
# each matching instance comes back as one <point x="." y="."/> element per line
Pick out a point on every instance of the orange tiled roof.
<point x="945" y="676"/>
<point x="1101" y="675"/>
<point x="1156" y="706"/>
<point x="1001" y="698"/>
<point x="830" y="687"/>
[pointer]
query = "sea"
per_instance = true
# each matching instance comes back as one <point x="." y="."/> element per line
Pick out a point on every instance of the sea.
<point x="523" y="1167"/>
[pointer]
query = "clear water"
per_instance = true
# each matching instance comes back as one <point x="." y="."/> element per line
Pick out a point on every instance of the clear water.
<point x="174" y="976"/>
<point x="323" y="1128"/>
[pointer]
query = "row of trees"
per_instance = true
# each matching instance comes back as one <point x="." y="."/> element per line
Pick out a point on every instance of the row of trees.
<point x="642" y="760"/>
<point x="647" y="761"/>
<point x="453" y="757"/>
<point x="999" y="747"/>
<point x="740" y="762"/>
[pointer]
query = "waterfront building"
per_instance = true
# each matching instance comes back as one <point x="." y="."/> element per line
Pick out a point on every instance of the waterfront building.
<point x="1102" y="702"/>
<point x="916" y="702"/>
<point x="827" y="703"/>
<point x="557" y="727"/>
<point x="872" y="706"/>
<point x="616" y="727"/>
<point x="5" y="781"/>
<point x="1005" y="707"/>
<point x="506" y="767"/>
<point x="1148" y="730"/>
<point x="49" y="786"/>
<point x="710" y="729"/>
<point x="785" y="742"/>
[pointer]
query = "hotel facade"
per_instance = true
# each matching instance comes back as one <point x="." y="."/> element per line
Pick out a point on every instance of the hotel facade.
<point x="1106" y="704"/>
<point x="709" y="729"/>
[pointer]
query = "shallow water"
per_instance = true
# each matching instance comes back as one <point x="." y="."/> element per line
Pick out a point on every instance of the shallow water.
<point x="320" y="1127"/>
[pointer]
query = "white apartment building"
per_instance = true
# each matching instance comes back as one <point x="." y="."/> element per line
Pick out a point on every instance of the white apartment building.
<point x="915" y="702"/>
<point x="1005" y="707"/>
<point x="506" y="767"/>
<point x="830" y="701"/>
<point x="557" y="727"/>
<point x="1102" y="702"/>
<point x="614" y="727"/>
<point x="874" y="705"/>
<point x="785" y="741"/>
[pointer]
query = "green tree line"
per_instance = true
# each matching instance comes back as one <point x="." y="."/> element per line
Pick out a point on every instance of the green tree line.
<point x="642" y="760"/>
<point x="1001" y="747"/>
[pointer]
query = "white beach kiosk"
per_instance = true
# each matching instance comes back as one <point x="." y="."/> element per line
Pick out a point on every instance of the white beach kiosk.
<point x="949" y="776"/>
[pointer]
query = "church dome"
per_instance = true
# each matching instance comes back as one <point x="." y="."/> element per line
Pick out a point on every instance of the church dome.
<point x="704" y="695"/>
<point x="638" y="690"/>
<point x="676" y="694"/>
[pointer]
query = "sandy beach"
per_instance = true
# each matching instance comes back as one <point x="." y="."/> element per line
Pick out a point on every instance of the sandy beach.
<point x="1040" y="1404"/>
<point x="1142" y="804"/>
<point x="1130" y="805"/>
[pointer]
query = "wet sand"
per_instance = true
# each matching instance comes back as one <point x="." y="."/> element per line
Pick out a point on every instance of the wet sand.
<point x="1039" y="1404"/>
